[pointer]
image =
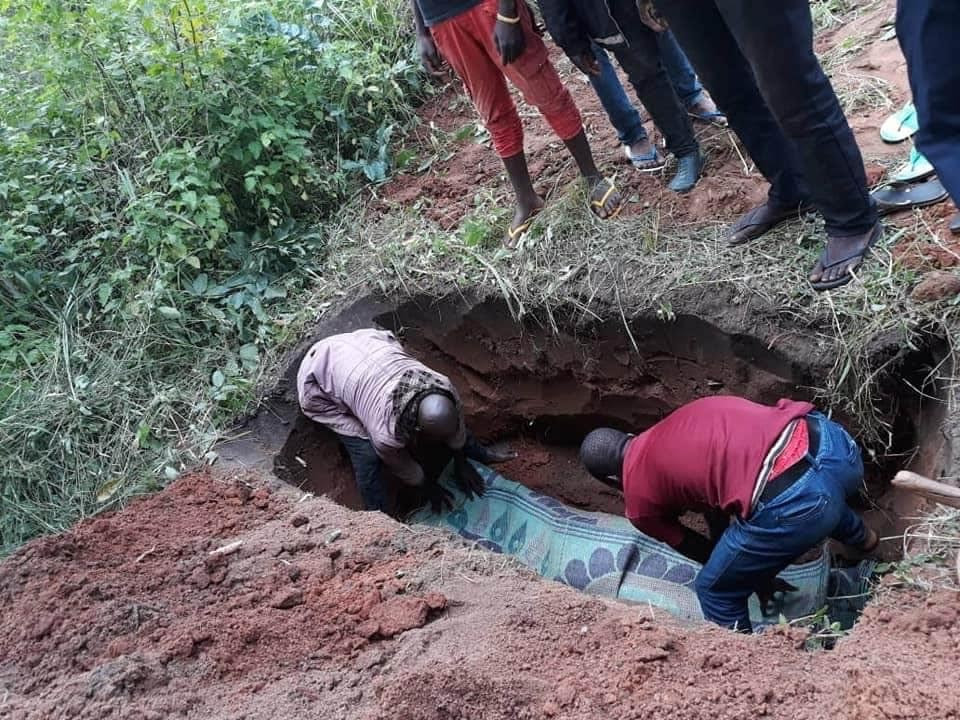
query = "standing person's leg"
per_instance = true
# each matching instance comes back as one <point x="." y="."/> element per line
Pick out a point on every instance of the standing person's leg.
<point x="685" y="81"/>
<point x="366" y="470"/>
<point x="466" y="42"/>
<point x="536" y="78"/>
<point x="458" y="42"/>
<point x="622" y="114"/>
<point x="926" y="31"/>
<point x="640" y="59"/>
<point x="713" y="51"/>
<point x="777" y="40"/>
<point x="650" y="81"/>
<point x="681" y="72"/>
<point x="781" y="529"/>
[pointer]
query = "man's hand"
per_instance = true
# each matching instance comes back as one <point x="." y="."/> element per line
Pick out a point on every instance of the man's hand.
<point x="587" y="64"/>
<point x="509" y="41"/>
<point x="440" y="498"/>
<point x="429" y="57"/>
<point x="468" y="479"/>
<point x="768" y="589"/>
<point x="495" y="454"/>
<point x="651" y="17"/>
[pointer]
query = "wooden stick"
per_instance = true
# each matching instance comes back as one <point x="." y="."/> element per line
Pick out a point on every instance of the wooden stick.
<point x="931" y="489"/>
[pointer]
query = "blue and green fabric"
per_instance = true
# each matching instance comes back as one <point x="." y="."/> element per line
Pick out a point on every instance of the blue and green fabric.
<point x="603" y="554"/>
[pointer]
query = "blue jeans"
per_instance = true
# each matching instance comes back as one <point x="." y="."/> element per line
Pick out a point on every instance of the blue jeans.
<point x="780" y="530"/>
<point x="623" y="115"/>
<point x="366" y="471"/>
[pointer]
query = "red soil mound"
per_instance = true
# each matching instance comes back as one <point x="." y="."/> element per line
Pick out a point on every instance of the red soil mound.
<point x="215" y="599"/>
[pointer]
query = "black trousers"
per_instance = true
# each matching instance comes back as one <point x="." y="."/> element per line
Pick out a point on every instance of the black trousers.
<point x="927" y="31"/>
<point x="756" y="58"/>
<point x="640" y="60"/>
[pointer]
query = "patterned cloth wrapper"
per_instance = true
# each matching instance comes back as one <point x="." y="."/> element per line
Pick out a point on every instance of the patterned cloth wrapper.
<point x="603" y="554"/>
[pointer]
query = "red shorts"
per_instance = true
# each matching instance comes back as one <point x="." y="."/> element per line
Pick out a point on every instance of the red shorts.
<point x="466" y="42"/>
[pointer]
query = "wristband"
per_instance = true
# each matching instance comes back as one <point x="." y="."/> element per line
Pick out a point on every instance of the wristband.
<point x="508" y="20"/>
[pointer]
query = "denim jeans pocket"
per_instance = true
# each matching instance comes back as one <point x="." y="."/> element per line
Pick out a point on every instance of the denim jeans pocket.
<point x="801" y="510"/>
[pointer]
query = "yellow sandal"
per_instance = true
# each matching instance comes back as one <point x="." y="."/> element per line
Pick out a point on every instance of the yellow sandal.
<point x="596" y="205"/>
<point x="514" y="234"/>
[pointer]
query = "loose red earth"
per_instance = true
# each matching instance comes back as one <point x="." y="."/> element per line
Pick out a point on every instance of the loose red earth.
<point x="234" y="597"/>
<point x="223" y="598"/>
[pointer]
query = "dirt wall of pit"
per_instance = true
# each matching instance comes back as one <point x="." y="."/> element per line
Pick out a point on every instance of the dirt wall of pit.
<point x="543" y="381"/>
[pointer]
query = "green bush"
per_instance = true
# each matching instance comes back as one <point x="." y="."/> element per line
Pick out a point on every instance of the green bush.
<point x="161" y="167"/>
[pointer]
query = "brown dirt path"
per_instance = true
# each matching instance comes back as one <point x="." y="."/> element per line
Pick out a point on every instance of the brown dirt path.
<point x="322" y="612"/>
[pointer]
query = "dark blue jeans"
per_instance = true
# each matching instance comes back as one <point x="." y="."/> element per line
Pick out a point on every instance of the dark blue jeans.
<point x="780" y="530"/>
<point x="756" y="58"/>
<point x="927" y="30"/>
<point x="366" y="471"/>
<point x="623" y="115"/>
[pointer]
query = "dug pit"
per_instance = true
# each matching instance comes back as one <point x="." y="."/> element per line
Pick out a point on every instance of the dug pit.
<point x="542" y="382"/>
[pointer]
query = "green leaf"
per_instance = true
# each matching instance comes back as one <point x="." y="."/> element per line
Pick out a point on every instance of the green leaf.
<point x="193" y="261"/>
<point x="103" y="293"/>
<point x="218" y="379"/>
<point x="199" y="284"/>
<point x="250" y="182"/>
<point x="169" y="312"/>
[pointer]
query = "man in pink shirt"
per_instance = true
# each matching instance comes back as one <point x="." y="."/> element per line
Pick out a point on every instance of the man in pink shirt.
<point x="783" y="473"/>
<point x="382" y="403"/>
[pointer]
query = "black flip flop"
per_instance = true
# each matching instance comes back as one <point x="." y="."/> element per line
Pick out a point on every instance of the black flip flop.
<point x="826" y="262"/>
<point x="899" y="196"/>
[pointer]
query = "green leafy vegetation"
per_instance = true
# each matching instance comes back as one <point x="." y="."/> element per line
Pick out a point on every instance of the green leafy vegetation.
<point x="163" y="166"/>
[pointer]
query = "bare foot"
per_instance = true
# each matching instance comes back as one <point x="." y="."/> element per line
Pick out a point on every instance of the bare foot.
<point x="645" y="157"/>
<point x="643" y="147"/>
<point x="705" y="110"/>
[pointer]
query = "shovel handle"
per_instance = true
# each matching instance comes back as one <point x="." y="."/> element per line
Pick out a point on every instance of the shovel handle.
<point x="936" y="491"/>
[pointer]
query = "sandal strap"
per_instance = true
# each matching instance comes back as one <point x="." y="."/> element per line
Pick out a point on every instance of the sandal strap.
<point x="520" y="229"/>
<point x="826" y="261"/>
<point x="606" y="196"/>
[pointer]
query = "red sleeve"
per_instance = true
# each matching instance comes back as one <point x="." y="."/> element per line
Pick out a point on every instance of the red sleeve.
<point x="665" y="529"/>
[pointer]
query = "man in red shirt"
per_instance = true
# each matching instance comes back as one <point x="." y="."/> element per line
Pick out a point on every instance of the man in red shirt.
<point x="784" y="474"/>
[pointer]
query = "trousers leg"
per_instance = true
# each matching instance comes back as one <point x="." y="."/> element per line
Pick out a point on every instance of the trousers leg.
<point x="681" y="72"/>
<point x="366" y="471"/>
<point x="713" y="51"/>
<point x="621" y="112"/>
<point x="777" y="41"/>
<point x="926" y="30"/>
<point x="640" y="59"/>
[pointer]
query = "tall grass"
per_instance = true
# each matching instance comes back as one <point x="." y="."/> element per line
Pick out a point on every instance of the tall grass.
<point x="162" y="166"/>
